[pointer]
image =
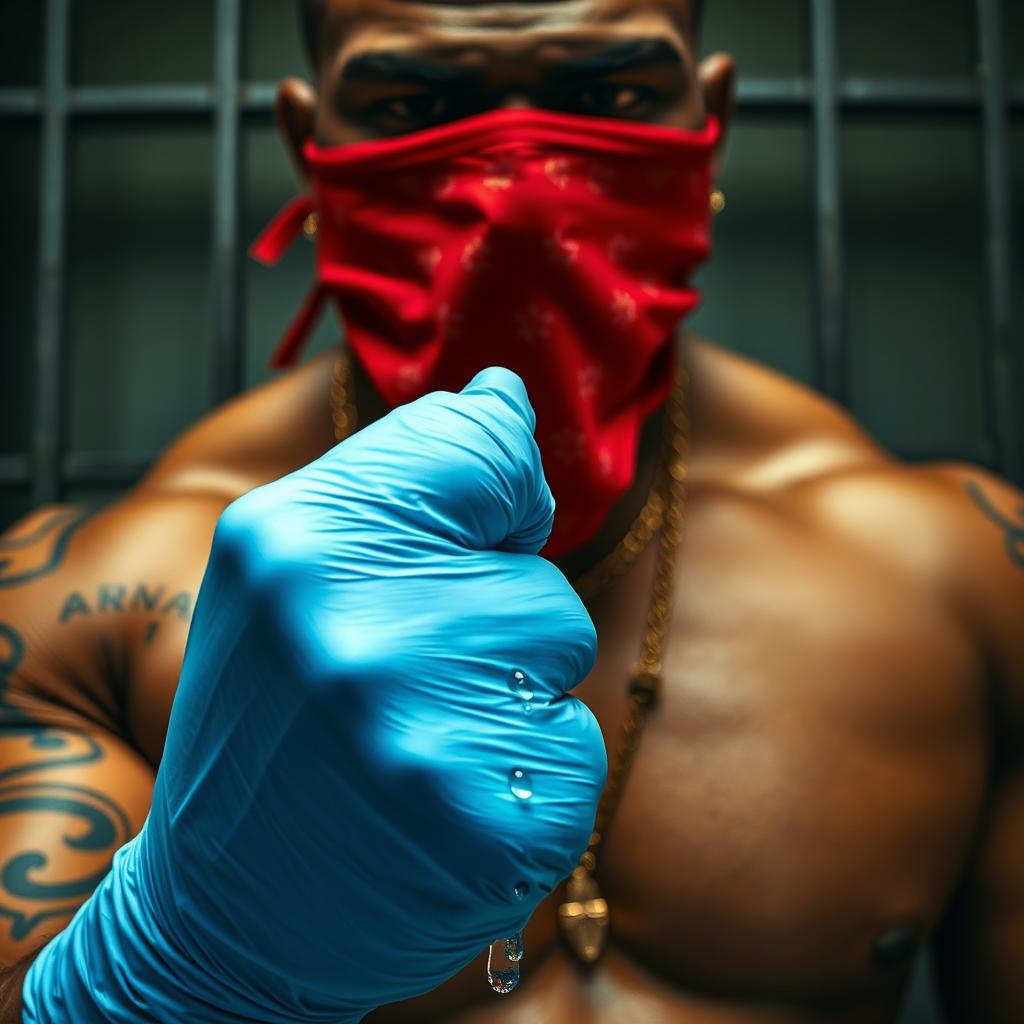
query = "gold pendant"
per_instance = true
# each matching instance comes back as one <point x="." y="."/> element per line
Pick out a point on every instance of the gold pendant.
<point x="583" y="917"/>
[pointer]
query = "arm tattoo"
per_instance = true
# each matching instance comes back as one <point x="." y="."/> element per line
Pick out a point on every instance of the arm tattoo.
<point x="1013" y="532"/>
<point x="27" y="899"/>
<point x="28" y="557"/>
<point x="157" y="603"/>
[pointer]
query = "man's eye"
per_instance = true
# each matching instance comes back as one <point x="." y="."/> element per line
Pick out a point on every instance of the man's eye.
<point x="612" y="99"/>
<point x="411" y="109"/>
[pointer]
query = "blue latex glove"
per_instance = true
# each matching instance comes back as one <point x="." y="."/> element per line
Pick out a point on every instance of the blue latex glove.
<point x="334" y="824"/>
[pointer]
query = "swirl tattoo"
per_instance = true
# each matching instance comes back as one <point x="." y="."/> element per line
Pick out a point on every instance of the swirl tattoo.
<point x="25" y="558"/>
<point x="27" y="897"/>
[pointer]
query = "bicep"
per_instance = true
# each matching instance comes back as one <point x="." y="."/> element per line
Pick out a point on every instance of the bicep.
<point x="69" y="798"/>
<point x="72" y="791"/>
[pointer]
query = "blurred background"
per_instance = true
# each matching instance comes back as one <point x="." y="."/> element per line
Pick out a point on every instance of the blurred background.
<point x="875" y="189"/>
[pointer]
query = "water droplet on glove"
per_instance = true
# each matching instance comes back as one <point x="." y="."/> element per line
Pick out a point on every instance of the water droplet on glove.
<point x="514" y="947"/>
<point x="502" y="973"/>
<point x="519" y="684"/>
<point x="521" y="890"/>
<point x="520" y="783"/>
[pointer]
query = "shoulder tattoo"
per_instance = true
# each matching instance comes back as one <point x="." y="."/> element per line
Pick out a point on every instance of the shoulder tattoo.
<point x="1012" y="526"/>
<point x="27" y="556"/>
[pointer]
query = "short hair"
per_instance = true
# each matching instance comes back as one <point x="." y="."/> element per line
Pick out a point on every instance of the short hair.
<point x="312" y="12"/>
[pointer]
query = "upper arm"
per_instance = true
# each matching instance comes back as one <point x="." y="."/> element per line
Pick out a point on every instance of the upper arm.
<point x="74" y="644"/>
<point x="980" y="944"/>
<point x="71" y="792"/>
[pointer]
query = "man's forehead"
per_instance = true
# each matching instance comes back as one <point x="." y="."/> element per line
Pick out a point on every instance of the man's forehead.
<point x="353" y="25"/>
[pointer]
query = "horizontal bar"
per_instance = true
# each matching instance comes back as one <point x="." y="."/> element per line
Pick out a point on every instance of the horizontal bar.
<point x="940" y="94"/>
<point x="142" y="99"/>
<point x="925" y="93"/>
<point x="80" y="468"/>
<point x="754" y="92"/>
<point x="105" y="467"/>
<point x="19" y="102"/>
<point x="776" y="91"/>
<point x="257" y="97"/>
<point x="114" y="99"/>
<point x="15" y="470"/>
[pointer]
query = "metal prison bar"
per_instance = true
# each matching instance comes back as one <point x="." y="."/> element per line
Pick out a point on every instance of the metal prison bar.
<point x="823" y="94"/>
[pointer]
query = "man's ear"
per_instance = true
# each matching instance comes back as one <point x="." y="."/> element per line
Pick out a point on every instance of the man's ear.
<point x="295" y="113"/>
<point x="717" y="77"/>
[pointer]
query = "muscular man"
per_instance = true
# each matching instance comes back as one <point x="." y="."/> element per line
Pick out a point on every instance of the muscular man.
<point x="832" y="775"/>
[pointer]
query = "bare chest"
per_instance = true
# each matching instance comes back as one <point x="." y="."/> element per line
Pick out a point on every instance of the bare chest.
<point x="800" y="803"/>
<point x="806" y="787"/>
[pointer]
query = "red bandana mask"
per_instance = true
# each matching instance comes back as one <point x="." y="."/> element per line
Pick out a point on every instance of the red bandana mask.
<point x="559" y="246"/>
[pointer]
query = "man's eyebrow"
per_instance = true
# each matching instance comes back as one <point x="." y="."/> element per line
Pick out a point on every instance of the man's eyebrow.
<point x="381" y="66"/>
<point x="625" y="56"/>
<point x="389" y="67"/>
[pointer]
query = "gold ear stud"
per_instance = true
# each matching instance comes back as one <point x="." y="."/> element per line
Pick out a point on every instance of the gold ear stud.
<point x="717" y="201"/>
<point x="311" y="225"/>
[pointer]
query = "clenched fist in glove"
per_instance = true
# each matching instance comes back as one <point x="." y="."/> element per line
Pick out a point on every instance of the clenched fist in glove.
<point x="372" y="769"/>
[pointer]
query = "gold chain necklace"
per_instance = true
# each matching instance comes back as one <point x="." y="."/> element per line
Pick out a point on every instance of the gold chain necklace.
<point x="583" y="917"/>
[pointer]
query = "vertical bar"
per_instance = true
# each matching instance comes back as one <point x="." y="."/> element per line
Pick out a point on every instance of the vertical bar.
<point x="48" y="380"/>
<point x="995" y="118"/>
<point x="831" y="356"/>
<point x="227" y="329"/>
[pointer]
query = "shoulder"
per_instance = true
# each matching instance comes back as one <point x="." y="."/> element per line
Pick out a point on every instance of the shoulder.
<point x="954" y="529"/>
<point x="78" y="591"/>
<point x="65" y="546"/>
<point x="985" y="531"/>
<point x="63" y="543"/>
<point x="781" y="435"/>
<point x="764" y="431"/>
